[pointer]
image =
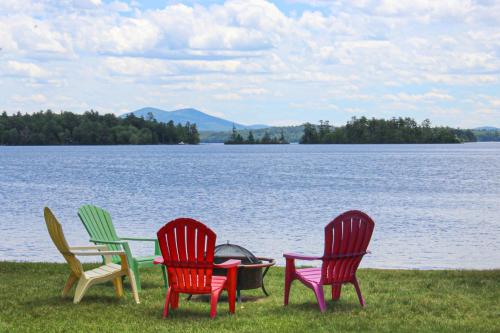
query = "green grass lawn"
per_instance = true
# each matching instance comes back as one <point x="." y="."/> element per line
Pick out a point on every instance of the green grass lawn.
<point x="397" y="301"/>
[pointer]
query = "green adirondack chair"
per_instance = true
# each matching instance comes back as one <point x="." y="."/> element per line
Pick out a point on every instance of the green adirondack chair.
<point x="98" y="223"/>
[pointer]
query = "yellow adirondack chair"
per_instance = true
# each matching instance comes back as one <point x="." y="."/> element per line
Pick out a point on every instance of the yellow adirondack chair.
<point x="108" y="272"/>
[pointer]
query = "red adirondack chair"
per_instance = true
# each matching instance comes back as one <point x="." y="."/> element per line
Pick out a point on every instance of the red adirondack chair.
<point x="187" y="247"/>
<point x="346" y="241"/>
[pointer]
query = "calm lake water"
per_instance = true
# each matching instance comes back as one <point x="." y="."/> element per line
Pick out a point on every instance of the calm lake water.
<point x="435" y="206"/>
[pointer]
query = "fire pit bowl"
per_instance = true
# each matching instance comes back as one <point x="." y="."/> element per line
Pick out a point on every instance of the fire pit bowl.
<point x="251" y="271"/>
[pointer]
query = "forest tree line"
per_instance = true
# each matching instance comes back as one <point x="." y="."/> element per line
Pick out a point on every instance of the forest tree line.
<point x="237" y="139"/>
<point x="91" y="128"/>
<point x="290" y="133"/>
<point x="396" y="130"/>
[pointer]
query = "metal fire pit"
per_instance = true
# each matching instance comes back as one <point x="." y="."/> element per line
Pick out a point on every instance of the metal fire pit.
<point x="251" y="271"/>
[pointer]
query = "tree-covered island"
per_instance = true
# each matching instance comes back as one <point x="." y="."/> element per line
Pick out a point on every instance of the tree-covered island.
<point x="393" y="131"/>
<point x="91" y="128"/>
<point x="237" y="139"/>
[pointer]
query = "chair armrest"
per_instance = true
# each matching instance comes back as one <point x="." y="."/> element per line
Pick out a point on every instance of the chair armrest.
<point x="124" y="244"/>
<point x="158" y="261"/>
<point x="100" y="241"/>
<point x="142" y="239"/>
<point x="87" y="248"/>
<point x="139" y="239"/>
<point x="228" y="264"/>
<point x="107" y="256"/>
<point x="301" y="256"/>
<point x="98" y="253"/>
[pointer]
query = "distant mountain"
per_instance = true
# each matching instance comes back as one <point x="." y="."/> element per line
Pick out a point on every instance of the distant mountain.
<point x="486" y="128"/>
<point x="203" y="121"/>
<point x="487" y="133"/>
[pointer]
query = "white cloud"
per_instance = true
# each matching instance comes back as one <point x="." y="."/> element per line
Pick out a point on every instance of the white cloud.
<point x="237" y="25"/>
<point x="7" y="41"/>
<point x="37" y="98"/>
<point x="446" y="111"/>
<point x="137" y="66"/>
<point x="495" y="102"/>
<point x="255" y="91"/>
<point x="116" y="36"/>
<point x="321" y="58"/>
<point x="200" y="84"/>
<point x="425" y="8"/>
<point x="119" y="6"/>
<point x="25" y="69"/>
<point x="8" y="6"/>
<point x="430" y="96"/>
<point x="29" y="36"/>
<point x="227" y="97"/>
<point x="86" y="4"/>
<point x="229" y="38"/>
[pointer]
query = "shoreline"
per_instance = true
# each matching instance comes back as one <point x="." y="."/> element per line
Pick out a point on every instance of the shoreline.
<point x="260" y="144"/>
<point x="281" y="265"/>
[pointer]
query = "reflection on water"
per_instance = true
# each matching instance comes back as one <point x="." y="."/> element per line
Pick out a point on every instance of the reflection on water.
<point x="435" y="206"/>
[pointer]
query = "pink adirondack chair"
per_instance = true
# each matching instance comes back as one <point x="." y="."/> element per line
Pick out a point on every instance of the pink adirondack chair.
<point x="346" y="241"/>
<point x="187" y="247"/>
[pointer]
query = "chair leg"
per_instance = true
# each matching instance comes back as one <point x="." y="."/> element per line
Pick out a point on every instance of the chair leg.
<point x="135" y="268"/>
<point x="358" y="291"/>
<point x="288" y="285"/>
<point x="289" y="277"/>
<point x="81" y="288"/>
<point x="231" y="298"/>
<point x="231" y="288"/>
<point x="214" y="298"/>
<point x="336" y="289"/>
<point x="167" y="302"/>
<point x="174" y="300"/>
<point x="71" y="281"/>
<point x="117" y="282"/>
<point x="133" y="285"/>
<point x="165" y="280"/>
<point x="320" y="297"/>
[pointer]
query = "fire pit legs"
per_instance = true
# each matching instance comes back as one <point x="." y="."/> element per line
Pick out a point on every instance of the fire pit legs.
<point x="238" y="290"/>
<point x="264" y="275"/>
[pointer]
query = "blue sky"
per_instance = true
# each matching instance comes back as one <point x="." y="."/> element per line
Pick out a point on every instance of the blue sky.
<point x="278" y="63"/>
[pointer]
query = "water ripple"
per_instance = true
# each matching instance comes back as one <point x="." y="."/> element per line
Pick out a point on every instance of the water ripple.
<point x="435" y="206"/>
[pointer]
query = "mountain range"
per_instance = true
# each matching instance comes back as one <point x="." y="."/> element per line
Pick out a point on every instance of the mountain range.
<point x="486" y="128"/>
<point x="209" y="123"/>
<point x="203" y="121"/>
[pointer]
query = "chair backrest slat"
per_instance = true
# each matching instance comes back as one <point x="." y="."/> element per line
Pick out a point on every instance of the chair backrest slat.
<point x="98" y="224"/>
<point x="201" y="241"/>
<point x="347" y="234"/>
<point x="187" y="247"/>
<point x="57" y="235"/>
<point x="191" y="256"/>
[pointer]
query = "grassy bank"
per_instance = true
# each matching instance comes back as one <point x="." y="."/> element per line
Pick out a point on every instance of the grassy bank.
<point x="397" y="301"/>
